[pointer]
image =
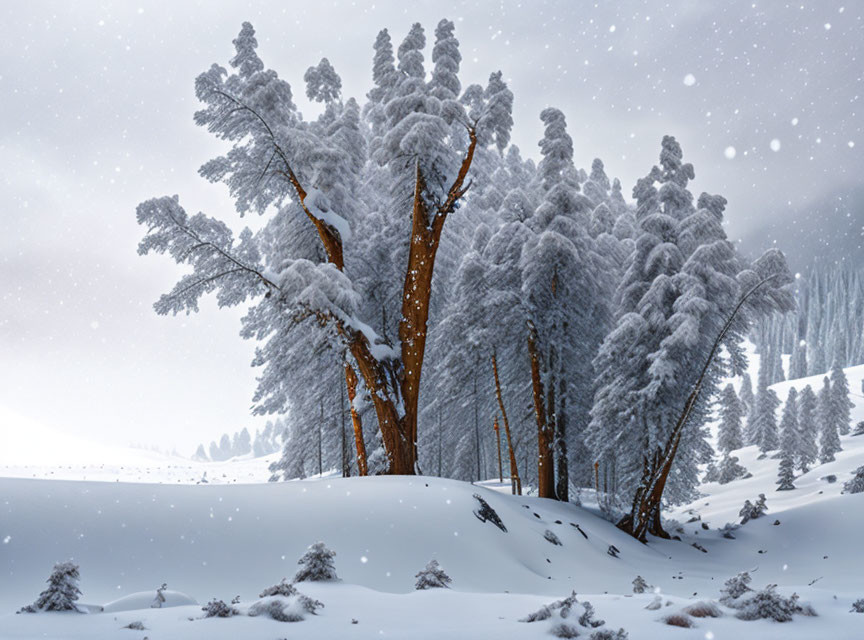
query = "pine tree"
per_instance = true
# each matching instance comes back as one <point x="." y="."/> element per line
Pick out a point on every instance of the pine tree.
<point x="730" y="470"/>
<point x="830" y="441"/>
<point x="432" y="577"/>
<point x="316" y="565"/>
<point x="62" y="591"/>
<point x="856" y="484"/>
<point x="730" y="437"/>
<point x="734" y="588"/>
<point x="746" y="393"/>
<point x="840" y="404"/>
<point x="200" y="454"/>
<point x="808" y="430"/>
<point x="789" y="442"/>
<point x="763" y="423"/>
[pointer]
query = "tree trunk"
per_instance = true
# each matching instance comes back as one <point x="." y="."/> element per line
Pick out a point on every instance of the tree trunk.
<point x="498" y="441"/>
<point x="394" y="383"/>
<point x="545" y="458"/>
<point x="562" y="489"/>
<point x="359" y="442"/>
<point x="515" y="481"/>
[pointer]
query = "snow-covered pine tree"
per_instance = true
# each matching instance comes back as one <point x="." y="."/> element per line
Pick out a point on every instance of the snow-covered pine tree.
<point x="432" y="577"/>
<point x="789" y="442"/>
<point x="745" y="394"/>
<point x="856" y="484"/>
<point x="829" y="443"/>
<point x="62" y="591"/>
<point x="840" y="404"/>
<point x="200" y="454"/>
<point x="730" y="470"/>
<point x="349" y="176"/>
<point x="683" y="282"/>
<point x="798" y="360"/>
<point x="762" y="425"/>
<point x="316" y="565"/>
<point x="808" y="430"/>
<point x="730" y="437"/>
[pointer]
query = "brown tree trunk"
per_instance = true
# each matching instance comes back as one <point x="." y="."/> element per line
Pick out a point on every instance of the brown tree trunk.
<point x="394" y="383"/>
<point x="515" y="481"/>
<point x="359" y="442"/>
<point x="498" y="441"/>
<point x="545" y="458"/>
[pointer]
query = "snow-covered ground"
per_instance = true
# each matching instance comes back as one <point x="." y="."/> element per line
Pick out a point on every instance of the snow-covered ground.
<point x="237" y="534"/>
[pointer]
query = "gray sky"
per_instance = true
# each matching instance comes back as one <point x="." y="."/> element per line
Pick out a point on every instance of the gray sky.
<point x="96" y="104"/>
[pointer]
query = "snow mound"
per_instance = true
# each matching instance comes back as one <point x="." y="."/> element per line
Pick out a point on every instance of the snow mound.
<point x="144" y="600"/>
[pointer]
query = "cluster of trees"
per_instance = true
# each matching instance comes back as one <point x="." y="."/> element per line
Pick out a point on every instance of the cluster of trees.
<point x="266" y="441"/>
<point x="593" y="331"/>
<point x="825" y="325"/>
<point x="808" y="432"/>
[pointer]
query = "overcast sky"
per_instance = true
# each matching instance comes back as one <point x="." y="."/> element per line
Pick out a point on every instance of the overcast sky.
<point x="96" y="104"/>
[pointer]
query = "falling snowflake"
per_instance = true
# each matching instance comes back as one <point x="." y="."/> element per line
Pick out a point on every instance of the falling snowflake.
<point x="775" y="145"/>
<point x="689" y="80"/>
<point x="729" y="152"/>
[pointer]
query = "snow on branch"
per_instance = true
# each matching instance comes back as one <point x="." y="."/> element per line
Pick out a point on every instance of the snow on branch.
<point x="208" y="246"/>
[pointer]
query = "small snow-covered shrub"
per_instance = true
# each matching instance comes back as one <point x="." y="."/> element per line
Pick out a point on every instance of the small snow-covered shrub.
<point x="432" y="577"/>
<point x="551" y="537"/>
<point x="752" y="511"/>
<point x="858" y="606"/>
<point x="284" y="588"/>
<point x="135" y="625"/>
<point x="62" y="591"/>
<point x="655" y="604"/>
<point x="564" y="623"/>
<point x="639" y="585"/>
<point x="608" y="634"/>
<point x="767" y="604"/>
<point x="316" y="565"/>
<point x="678" y="620"/>
<point x="703" y="609"/>
<point x="856" y="484"/>
<point x="285" y="608"/>
<point x="218" y="609"/>
<point x="728" y="529"/>
<point x="734" y="588"/>
<point x="859" y="429"/>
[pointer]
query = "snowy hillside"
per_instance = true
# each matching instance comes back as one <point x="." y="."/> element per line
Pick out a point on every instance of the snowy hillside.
<point x="236" y="535"/>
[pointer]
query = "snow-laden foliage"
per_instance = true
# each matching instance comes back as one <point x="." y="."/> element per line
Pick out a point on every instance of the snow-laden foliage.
<point x="751" y="511"/>
<point x="730" y="436"/>
<point x="285" y="608"/>
<point x="566" y="622"/>
<point x="218" y="609"/>
<point x="767" y="604"/>
<point x="789" y="442"/>
<point x="316" y="565"/>
<point x="808" y="429"/>
<point x="856" y="484"/>
<point x="62" y="591"/>
<point x="639" y="585"/>
<point x="734" y="588"/>
<point x="730" y="470"/>
<point x="432" y="576"/>
<point x="829" y="443"/>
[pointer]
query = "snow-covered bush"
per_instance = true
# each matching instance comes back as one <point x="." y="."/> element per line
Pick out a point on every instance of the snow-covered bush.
<point x="752" y="511"/>
<point x="135" y="625"/>
<point x="316" y="565"/>
<point x="565" y="625"/>
<point x="283" y="588"/>
<point x="858" y="606"/>
<point x="727" y="529"/>
<point x="703" y="609"/>
<point x="856" y="484"/>
<point x="285" y="608"/>
<point x="639" y="585"/>
<point x="730" y="470"/>
<point x="218" y="609"/>
<point x="734" y="588"/>
<point x="678" y="620"/>
<point x="859" y="429"/>
<point x="62" y="591"/>
<point x="432" y="577"/>
<point x="767" y="604"/>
